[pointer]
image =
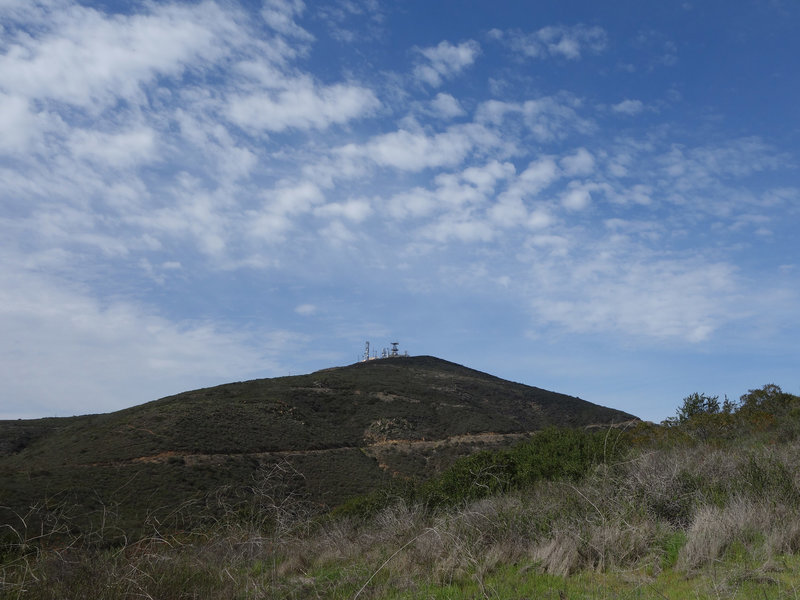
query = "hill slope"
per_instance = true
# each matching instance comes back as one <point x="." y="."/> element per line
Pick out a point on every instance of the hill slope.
<point x="345" y="430"/>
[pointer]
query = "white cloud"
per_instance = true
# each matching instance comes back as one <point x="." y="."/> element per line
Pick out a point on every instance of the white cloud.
<point x="485" y="177"/>
<point x="216" y="146"/>
<point x="738" y="158"/>
<point x="337" y="233"/>
<point x="510" y="208"/>
<point x="637" y="194"/>
<point x="294" y="198"/>
<point x="781" y="196"/>
<point x="351" y="21"/>
<point x="547" y="118"/>
<point x="66" y="353"/>
<point x="704" y="179"/>
<point x="65" y="226"/>
<point x="269" y="227"/>
<point x="355" y="210"/>
<point x="537" y="176"/>
<point x="193" y="213"/>
<point x="445" y="61"/>
<point x="619" y="163"/>
<point x="508" y="211"/>
<point x="301" y="104"/>
<point x="540" y="218"/>
<point x="454" y="193"/>
<point x="576" y="197"/>
<point x="563" y="42"/>
<point x="18" y="125"/>
<point x="416" y="150"/>
<point x="124" y="149"/>
<point x="580" y="163"/>
<point x="280" y="14"/>
<point x="306" y="310"/>
<point x="555" y="245"/>
<point x="418" y="202"/>
<point x="613" y="291"/>
<point x="279" y="209"/>
<point x="460" y="229"/>
<point x="628" y="107"/>
<point x="446" y="106"/>
<point x="85" y="58"/>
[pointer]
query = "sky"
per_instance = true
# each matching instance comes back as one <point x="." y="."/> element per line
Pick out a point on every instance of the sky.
<point x="596" y="198"/>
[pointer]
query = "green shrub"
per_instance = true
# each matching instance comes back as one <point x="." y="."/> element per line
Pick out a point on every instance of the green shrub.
<point x="552" y="454"/>
<point x="764" y="476"/>
<point x="677" y="504"/>
<point x="367" y="505"/>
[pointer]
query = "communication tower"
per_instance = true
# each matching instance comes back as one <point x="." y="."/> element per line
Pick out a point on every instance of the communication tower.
<point x="385" y="353"/>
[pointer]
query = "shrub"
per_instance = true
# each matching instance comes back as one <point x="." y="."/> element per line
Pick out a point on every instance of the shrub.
<point x="763" y="476"/>
<point x="552" y="454"/>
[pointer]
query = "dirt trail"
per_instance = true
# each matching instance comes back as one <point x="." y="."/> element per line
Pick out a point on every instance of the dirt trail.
<point x="374" y="449"/>
<point x="371" y="449"/>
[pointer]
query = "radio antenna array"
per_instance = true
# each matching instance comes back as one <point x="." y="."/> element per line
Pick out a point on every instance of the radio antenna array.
<point x="385" y="353"/>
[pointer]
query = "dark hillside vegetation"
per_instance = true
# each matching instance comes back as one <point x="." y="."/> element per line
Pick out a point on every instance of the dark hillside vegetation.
<point x="347" y="431"/>
<point x="15" y="436"/>
<point x="705" y="505"/>
<point x="425" y="397"/>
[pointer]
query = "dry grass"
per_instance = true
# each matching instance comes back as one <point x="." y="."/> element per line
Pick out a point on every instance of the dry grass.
<point x="699" y="504"/>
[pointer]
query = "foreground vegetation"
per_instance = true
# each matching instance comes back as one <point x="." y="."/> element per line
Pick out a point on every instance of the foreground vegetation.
<point x="705" y="505"/>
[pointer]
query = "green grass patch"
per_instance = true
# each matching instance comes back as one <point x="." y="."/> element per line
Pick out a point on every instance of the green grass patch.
<point x="671" y="546"/>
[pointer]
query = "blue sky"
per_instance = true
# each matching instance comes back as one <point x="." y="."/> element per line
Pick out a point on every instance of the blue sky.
<point x="600" y="199"/>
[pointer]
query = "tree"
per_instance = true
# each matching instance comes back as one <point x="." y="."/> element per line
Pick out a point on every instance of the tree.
<point x="696" y="405"/>
<point x="770" y="398"/>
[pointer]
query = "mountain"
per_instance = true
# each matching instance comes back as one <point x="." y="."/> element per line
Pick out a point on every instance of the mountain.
<point x="338" y="432"/>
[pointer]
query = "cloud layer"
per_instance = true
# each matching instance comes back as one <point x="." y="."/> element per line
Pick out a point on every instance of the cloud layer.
<point x="186" y="186"/>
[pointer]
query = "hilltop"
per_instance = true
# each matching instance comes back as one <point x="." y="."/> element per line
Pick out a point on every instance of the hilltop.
<point x="345" y="431"/>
